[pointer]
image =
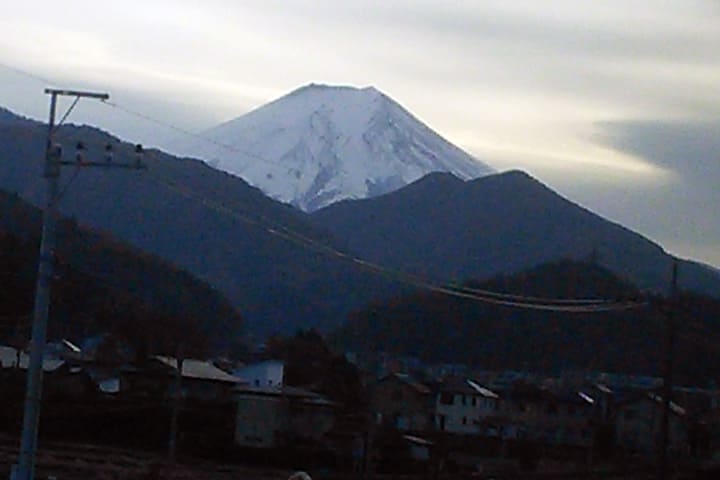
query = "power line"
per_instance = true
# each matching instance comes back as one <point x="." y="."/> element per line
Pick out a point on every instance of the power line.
<point x="486" y="296"/>
<point x="156" y="121"/>
<point x="509" y="296"/>
<point x="403" y="277"/>
<point x="27" y="74"/>
<point x="497" y="298"/>
<point x="184" y="131"/>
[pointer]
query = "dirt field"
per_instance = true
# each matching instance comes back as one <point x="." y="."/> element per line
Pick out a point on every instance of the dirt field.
<point x="89" y="462"/>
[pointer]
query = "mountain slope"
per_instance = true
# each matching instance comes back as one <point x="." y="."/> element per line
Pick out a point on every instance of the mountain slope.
<point x="276" y="284"/>
<point x="216" y="226"/>
<point x="445" y="228"/>
<point x="102" y="285"/>
<point x="320" y="144"/>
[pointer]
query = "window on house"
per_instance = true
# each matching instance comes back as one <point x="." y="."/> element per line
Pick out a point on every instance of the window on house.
<point x="464" y="420"/>
<point x="463" y="399"/>
<point x="446" y="398"/>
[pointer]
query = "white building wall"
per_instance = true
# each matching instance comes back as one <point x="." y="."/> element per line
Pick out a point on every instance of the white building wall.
<point x="263" y="374"/>
<point x="258" y="420"/>
<point x="460" y="416"/>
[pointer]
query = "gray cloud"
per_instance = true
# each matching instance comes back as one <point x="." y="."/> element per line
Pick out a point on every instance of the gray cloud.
<point x="521" y="76"/>
<point x="681" y="214"/>
<point x="692" y="150"/>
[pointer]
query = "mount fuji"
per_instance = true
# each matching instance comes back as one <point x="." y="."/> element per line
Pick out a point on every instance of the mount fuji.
<point x="321" y="144"/>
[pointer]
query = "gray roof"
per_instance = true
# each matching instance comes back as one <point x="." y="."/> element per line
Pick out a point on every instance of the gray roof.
<point x="199" y="369"/>
<point x="485" y="392"/>
<point x="466" y="386"/>
<point x="301" y="394"/>
<point x="418" y="440"/>
<point x="8" y="359"/>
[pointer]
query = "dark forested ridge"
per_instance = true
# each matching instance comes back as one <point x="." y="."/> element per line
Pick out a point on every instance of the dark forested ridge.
<point x="226" y="232"/>
<point x="218" y="233"/>
<point x="449" y="229"/>
<point x="102" y="285"/>
<point x="438" y="328"/>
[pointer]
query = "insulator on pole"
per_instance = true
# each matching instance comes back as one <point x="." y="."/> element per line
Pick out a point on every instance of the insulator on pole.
<point x="108" y="153"/>
<point x="79" y="149"/>
<point x="139" y="152"/>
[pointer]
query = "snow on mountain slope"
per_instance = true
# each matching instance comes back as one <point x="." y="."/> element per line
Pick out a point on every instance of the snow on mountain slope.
<point x="321" y="144"/>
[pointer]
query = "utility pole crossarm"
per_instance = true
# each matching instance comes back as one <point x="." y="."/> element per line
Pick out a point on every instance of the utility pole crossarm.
<point x="77" y="93"/>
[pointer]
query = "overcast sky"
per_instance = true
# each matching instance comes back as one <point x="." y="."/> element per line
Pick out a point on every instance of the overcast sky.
<point x="616" y="104"/>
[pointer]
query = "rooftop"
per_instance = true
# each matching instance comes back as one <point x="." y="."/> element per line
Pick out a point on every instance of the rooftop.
<point x="8" y="359"/>
<point x="199" y="369"/>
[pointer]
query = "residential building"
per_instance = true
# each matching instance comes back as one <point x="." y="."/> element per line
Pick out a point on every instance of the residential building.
<point x="400" y="401"/>
<point x="13" y="358"/>
<point x="463" y="406"/>
<point x="269" y="417"/>
<point x="638" y="425"/>
<point x="550" y="416"/>
<point x="201" y="380"/>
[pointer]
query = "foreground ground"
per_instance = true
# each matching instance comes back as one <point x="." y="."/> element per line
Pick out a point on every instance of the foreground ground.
<point x="89" y="462"/>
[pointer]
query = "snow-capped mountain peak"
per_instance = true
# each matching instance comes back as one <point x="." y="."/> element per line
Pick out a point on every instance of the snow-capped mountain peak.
<point x="320" y="144"/>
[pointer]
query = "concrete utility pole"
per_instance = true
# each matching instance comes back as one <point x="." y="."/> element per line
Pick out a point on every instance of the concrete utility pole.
<point x="25" y="468"/>
<point x="667" y="390"/>
<point x="176" y="400"/>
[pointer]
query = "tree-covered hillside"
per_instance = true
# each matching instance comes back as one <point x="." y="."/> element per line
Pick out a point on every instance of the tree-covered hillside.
<point x="102" y="285"/>
<point x="205" y="221"/>
<point x="439" y="328"/>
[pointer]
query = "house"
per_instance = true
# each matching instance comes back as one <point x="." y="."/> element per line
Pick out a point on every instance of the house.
<point x="420" y="448"/>
<point x="62" y="378"/>
<point x="201" y="380"/>
<point x="64" y="349"/>
<point x="462" y="406"/>
<point x="398" y="400"/>
<point x="552" y="416"/>
<point x="638" y="425"/>
<point x="13" y="358"/>
<point x="275" y="416"/>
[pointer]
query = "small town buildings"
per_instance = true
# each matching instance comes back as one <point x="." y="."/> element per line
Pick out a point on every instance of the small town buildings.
<point x="638" y="425"/>
<point x="399" y="401"/>
<point x="463" y="406"/>
<point x="62" y="378"/>
<point x="269" y="417"/>
<point x="201" y="380"/>
<point x="549" y="416"/>
<point x="13" y="358"/>
<point x="420" y="448"/>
